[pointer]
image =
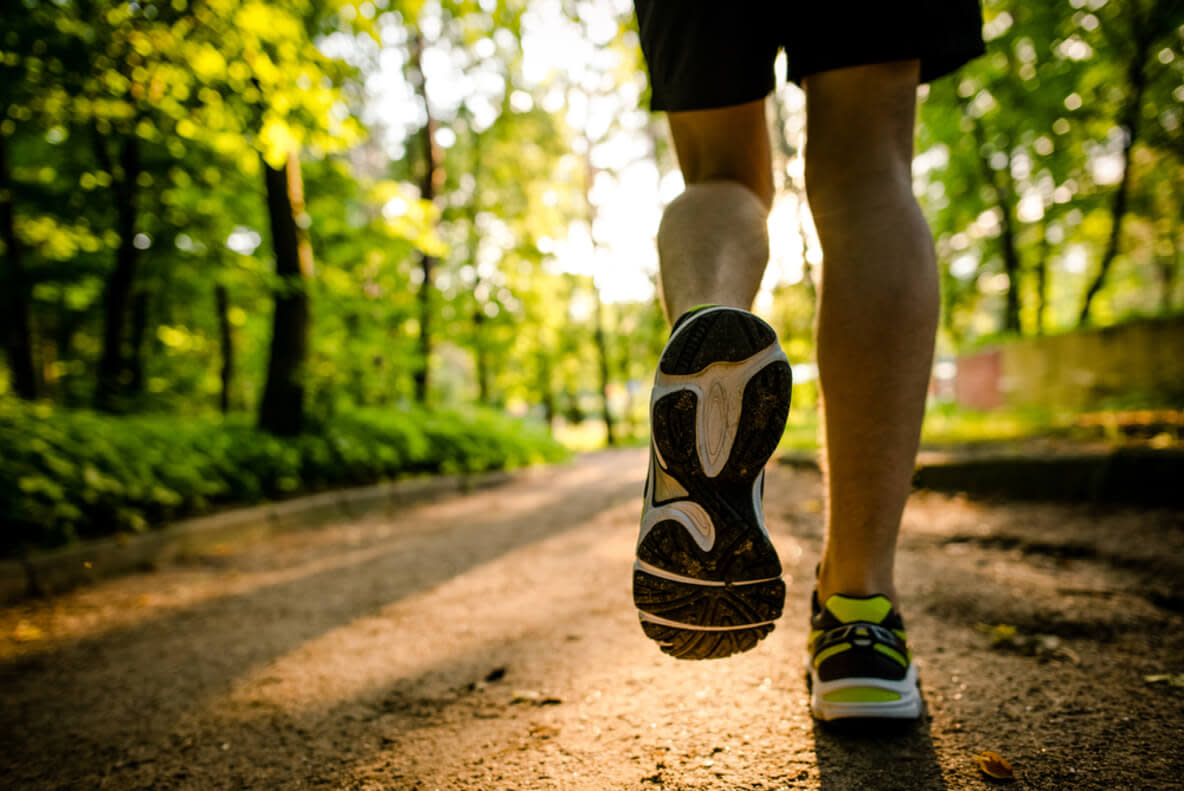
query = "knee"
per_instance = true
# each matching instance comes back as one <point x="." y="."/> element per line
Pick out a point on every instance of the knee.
<point x="859" y="137"/>
<point x="840" y="184"/>
<point x="728" y="145"/>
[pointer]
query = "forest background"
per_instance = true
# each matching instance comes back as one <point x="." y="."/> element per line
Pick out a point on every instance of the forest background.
<point x="252" y="249"/>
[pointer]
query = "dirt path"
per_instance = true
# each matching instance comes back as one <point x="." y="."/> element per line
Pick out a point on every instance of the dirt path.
<point x="489" y="642"/>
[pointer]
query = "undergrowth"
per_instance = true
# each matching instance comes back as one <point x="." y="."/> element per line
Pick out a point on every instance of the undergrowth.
<point x="70" y="475"/>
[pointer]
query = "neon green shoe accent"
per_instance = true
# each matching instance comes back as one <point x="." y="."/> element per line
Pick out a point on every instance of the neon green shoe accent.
<point x="826" y="653"/>
<point x="904" y="639"/>
<point x="814" y="635"/>
<point x="891" y="653"/>
<point x="847" y="610"/>
<point x="861" y="695"/>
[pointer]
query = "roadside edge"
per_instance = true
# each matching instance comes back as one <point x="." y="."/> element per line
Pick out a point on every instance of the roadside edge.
<point x="57" y="571"/>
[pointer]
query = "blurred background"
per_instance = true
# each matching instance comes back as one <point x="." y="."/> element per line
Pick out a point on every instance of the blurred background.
<point x="252" y="249"/>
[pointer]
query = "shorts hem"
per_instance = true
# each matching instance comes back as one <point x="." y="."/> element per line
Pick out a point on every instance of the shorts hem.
<point x="660" y="103"/>
<point x="934" y="65"/>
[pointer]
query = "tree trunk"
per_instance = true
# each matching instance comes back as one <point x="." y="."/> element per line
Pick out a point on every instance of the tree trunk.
<point x="135" y="359"/>
<point x="432" y="176"/>
<point x="1011" y="258"/>
<point x="1166" y="266"/>
<point x="1137" y="75"/>
<point x="423" y="372"/>
<point x="226" y="344"/>
<point x="547" y="389"/>
<point x="602" y="352"/>
<point x="482" y="356"/>
<point x="118" y="292"/>
<point x="480" y="348"/>
<point x="600" y="336"/>
<point x="282" y="409"/>
<point x="17" y="328"/>
<point x="1042" y="254"/>
<point x="1004" y="191"/>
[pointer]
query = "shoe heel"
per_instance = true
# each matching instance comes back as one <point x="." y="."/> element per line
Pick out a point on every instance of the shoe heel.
<point x="691" y="620"/>
<point x="707" y="583"/>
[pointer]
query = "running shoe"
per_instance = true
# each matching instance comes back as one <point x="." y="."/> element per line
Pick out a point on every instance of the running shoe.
<point x="859" y="662"/>
<point x="707" y="581"/>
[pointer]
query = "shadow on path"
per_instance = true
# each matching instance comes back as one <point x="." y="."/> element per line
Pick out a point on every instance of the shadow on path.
<point x="80" y="708"/>
<point x="861" y="755"/>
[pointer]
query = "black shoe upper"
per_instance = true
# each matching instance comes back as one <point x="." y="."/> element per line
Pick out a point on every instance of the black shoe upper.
<point x="868" y="642"/>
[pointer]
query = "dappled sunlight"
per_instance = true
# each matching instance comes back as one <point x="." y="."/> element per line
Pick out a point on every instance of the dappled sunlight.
<point x="621" y="707"/>
<point x="471" y="619"/>
<point x="233" y="572"/>
<point x="94" y="612"/>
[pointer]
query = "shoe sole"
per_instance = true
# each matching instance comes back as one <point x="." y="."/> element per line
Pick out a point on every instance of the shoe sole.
<point x="707" y="581"/>
<point x="908" y="707"/>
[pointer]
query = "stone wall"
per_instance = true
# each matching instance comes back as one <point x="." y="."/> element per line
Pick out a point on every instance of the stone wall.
<point x="1076" y="370"/>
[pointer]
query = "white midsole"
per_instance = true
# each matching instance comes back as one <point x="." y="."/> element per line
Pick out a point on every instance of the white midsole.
<point x="907" y="707"/>
<point x="654" y="571"/>
<point x="645" y="616"/>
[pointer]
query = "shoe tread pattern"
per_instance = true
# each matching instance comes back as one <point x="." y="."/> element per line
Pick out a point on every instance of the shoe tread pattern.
<point x="742" y="550"/>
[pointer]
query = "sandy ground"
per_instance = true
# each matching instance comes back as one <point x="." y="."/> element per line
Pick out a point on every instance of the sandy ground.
<point x="489" y="642"/>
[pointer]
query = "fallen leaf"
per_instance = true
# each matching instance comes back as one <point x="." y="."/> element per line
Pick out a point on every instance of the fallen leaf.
<point x="992" y="764"/>
<point x="26" y="632"/>
<point x="1171" y="679"/>
<point x="526" y="696"/>
<point x="1003" y="633"/>
<point x="1042" y="646"/>
<point x="534" y="697"/>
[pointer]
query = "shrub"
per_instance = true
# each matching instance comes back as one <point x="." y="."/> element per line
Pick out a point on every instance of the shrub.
<point x="68" y="475"/>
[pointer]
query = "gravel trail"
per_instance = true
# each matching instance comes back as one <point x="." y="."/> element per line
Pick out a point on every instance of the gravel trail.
<point x="488" y="641"/>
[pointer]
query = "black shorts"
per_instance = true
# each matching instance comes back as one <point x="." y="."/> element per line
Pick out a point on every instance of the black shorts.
<point x="703" y="54"/>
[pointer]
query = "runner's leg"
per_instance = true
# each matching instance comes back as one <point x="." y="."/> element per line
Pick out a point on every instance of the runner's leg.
<point x="877" y="313"/>
<point x="713" y="241"/>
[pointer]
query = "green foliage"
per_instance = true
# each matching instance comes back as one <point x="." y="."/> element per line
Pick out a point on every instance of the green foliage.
<point x="1022" y="153"/>
<point x="69" y="475"/>
<point x="204" y="92"/>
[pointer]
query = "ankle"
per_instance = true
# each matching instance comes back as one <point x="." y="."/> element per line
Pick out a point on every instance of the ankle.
<point x="854" y="581"/>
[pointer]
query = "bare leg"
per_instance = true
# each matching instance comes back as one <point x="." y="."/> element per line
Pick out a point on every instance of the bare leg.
<point x="713" y="241"/>
<point x="877" y="313"/>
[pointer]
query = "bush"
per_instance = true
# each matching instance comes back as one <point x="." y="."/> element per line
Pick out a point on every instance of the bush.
<point x="69" y="475"/>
